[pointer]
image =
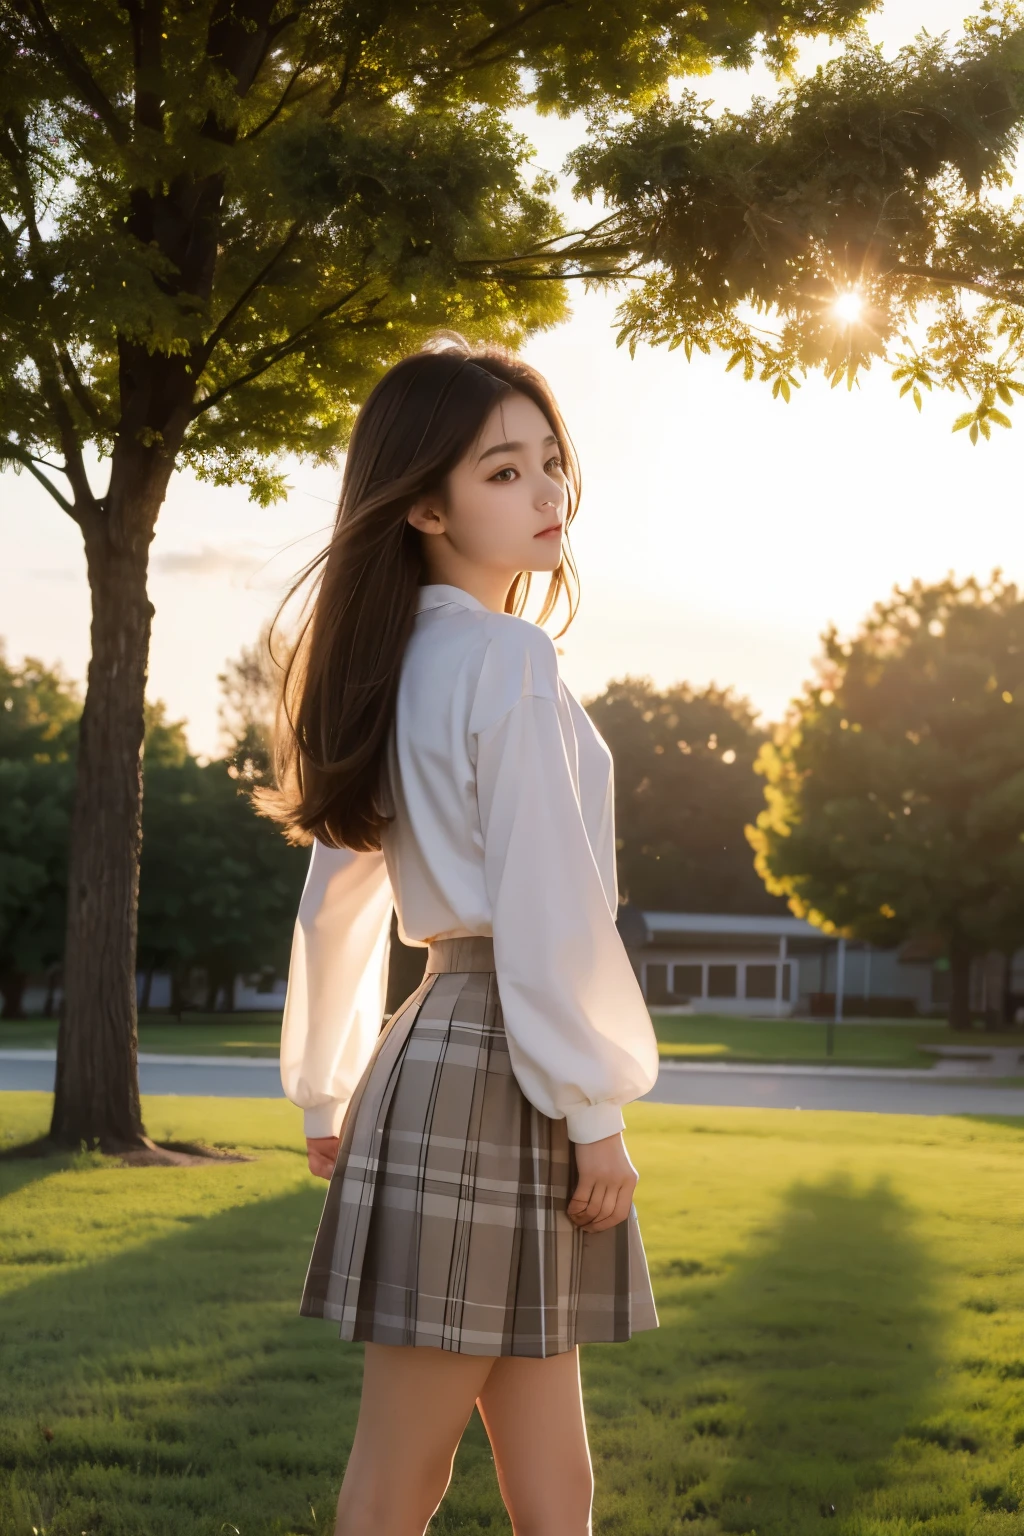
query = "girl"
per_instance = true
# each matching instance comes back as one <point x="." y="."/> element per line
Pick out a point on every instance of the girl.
<point x="479" y="1222"/>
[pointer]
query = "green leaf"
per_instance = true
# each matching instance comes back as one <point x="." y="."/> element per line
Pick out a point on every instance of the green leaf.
<point x="917" y="397"/>
<point x="965" y="420"/>
<point x="999" y="417"/>
<point x="974" y="432"/>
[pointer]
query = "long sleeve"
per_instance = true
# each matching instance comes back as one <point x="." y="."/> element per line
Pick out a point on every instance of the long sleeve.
<point x="580" y="1036"/>
<point x="337" y="983"/>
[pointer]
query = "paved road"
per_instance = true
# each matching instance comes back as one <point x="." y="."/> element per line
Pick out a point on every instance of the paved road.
<point x="895" y="1091"/>
<point x="883" y="1091"/>
<point x="219" y="1077"/>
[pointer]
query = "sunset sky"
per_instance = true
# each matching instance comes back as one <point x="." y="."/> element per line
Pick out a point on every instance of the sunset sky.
<point x="720" y="531"/>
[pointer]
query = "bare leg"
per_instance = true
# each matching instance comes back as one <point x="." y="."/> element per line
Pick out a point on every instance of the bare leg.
<point x="416" y="1401"/>
<point x="533" y="1413"/>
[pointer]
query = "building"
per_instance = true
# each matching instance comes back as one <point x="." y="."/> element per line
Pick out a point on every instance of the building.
<point x="774" y="967"/>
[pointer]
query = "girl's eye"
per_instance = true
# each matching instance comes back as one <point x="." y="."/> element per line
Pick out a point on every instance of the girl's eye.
<point x="554" y="464"/>
<point x="508" y="471"/>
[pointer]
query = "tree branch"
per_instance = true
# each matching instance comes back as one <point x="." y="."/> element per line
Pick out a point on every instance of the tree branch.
<point x="950" y="279"/>
<point x="469" y="55"/>
<point x="271" y="355"/>
<point x="46" y="359"/>
<point x="9" y="450"/>
<point x="282" y="102"/>
<point x="221" y="328"/>
<point x="73" y="66"/>
<point x="80" y="389"/>
<point x="147" y="22"/>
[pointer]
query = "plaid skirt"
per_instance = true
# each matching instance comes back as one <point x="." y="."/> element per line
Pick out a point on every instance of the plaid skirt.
<point x="445" y="1221"/>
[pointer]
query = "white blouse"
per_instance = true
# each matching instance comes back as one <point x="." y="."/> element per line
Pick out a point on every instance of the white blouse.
<point x="504" y="827"/>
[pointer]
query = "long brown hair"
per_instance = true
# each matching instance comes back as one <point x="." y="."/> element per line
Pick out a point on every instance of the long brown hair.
<point x="340" y="681"/>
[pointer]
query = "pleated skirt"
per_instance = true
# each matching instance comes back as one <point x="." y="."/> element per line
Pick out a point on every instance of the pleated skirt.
<point x="445" y="1220"/>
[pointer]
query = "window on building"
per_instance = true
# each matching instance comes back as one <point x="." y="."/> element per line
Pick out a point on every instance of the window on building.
<point x="787" y="972"/>
<point x="760" y="980"/>
<point x="657" y="983"/>
<point x="721" y="981"/>
<point x="687" y="981"/>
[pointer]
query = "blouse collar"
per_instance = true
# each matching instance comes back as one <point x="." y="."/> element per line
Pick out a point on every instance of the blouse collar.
<point x="436" y="594"/>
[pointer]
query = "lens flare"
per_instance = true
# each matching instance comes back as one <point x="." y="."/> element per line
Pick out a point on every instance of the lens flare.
<point x="849" y="306"/>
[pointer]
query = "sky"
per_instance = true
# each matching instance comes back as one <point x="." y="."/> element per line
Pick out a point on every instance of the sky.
<point x="719" y="534"/>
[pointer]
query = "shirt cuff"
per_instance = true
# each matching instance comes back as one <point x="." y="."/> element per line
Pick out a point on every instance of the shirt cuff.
<point x="591" y="1122"/>
<point x="325" y="1119"/>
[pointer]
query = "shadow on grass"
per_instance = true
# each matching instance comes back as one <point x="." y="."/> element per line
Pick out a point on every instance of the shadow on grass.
<point x="173" y="1390"/>
<point x="1008" y="1122"/>
<point x="773" y="1394"/>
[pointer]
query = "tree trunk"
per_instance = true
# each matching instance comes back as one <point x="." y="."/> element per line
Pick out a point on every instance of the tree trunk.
<point x="12" y="994"/>
<point x="959" y="985"/>
<point x="97" y="1089"/>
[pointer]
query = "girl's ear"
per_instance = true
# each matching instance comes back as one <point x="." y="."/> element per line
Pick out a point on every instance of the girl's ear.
<point x="425" y="515"/>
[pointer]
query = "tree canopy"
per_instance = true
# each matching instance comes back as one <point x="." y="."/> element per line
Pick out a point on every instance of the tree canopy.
<point x="274" y="202"/>
<point x="895" y="788"/>
<point x="860" y="215"/>
<point x="685" y="788"/>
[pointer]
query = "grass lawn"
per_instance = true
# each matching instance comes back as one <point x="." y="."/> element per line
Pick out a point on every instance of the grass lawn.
<point x="712" y="1037"/>
<point x="199" y="1034"/>
<point x="842" y="1329"/>
<point x="700" y="1037"/>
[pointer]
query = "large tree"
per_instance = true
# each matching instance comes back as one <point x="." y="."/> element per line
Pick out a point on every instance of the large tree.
<point x="861" y="214"/>
<point x="218" y="223"/>
<point x="685" y="789"/>
<point x="895" y="787"/>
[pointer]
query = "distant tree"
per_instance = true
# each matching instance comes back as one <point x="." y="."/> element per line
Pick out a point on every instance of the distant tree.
<point x="166" y="744"/>
<point x="35" y="814"/>
<point x="39" y="711"/>
<point x="895" y="788"/>
<point x="219" y="886"/>
<point x="861" y="215"/>
<point x="250" y="684"/>
<point x="685" y="789"/>
<point x="218" y="223"/>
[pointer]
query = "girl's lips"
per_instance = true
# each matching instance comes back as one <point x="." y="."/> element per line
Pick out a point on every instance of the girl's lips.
<point x="547" y="532"/>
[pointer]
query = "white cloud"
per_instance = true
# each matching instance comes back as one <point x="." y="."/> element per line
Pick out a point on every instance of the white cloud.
<point x="210" y="560"/>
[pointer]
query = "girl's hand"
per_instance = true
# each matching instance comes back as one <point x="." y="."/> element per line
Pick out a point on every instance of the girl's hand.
<point x="607" y="1180"/>
<point x="322" y="1152"/>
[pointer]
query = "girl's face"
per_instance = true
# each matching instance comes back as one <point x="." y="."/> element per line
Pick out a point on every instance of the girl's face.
<point x="503" y="507"/>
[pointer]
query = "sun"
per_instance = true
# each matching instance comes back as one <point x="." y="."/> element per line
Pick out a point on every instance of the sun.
<point x="849" y="306"/>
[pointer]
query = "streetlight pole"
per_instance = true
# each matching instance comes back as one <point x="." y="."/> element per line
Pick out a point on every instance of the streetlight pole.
<point x="840" y="984"/>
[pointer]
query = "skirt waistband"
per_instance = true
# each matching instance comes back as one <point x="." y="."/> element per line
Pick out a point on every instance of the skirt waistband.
<point x="466" y="952"/>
